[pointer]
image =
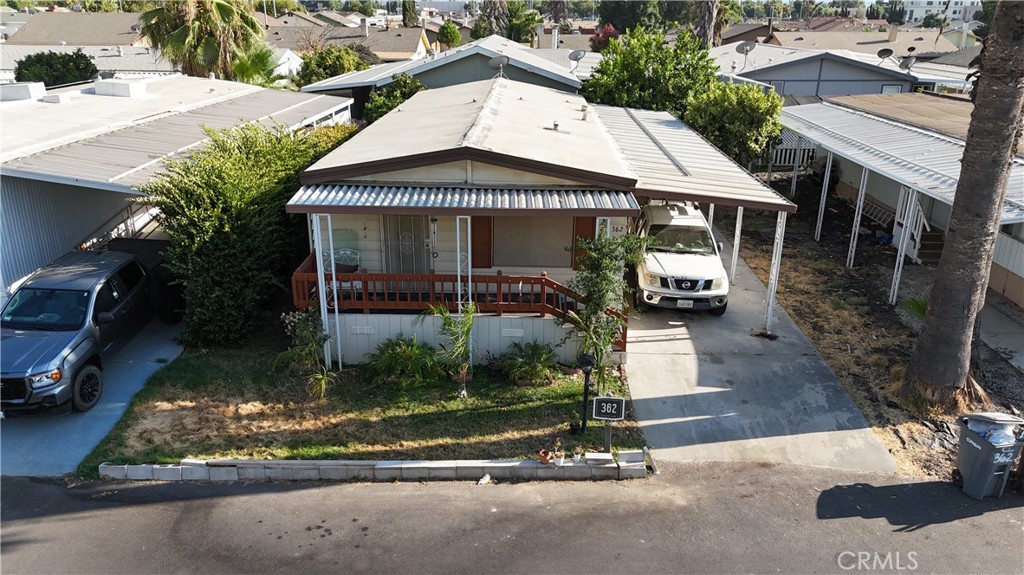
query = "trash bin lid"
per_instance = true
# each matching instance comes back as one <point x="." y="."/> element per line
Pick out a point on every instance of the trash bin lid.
<point x="995" y="417"/>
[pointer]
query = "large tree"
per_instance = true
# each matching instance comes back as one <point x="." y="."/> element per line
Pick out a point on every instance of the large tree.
<point x="522" y="22"/>
<point x="410" y="17"/>
<point x="202" y="36"/>
<point x="643" y="71"/>
<point x="327" y="62"/>
<point x="628" y="15"/>
<point x="939" y="369"/>
<point x="705" y="24"/>
<point x="740" y="119"/>
<point x="383" y="100"/>
<point x="495" y="14"/>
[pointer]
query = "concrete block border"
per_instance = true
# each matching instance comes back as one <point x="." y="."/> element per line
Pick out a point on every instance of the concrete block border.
<point x="598" y="466"/>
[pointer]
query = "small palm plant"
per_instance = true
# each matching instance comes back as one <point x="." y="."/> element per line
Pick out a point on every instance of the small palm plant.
<point x="458" y="328"/>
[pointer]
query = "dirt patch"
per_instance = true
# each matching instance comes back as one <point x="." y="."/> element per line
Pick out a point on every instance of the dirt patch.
<point x="866" y="341"/>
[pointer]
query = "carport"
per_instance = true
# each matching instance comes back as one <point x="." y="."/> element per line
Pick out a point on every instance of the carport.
<point x="674" y="162"/>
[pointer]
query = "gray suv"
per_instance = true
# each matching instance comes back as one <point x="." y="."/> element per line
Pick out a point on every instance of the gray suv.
<point x="61" y="324"/>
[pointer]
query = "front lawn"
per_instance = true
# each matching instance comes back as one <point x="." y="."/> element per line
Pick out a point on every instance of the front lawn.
<point x="233" y="403"/>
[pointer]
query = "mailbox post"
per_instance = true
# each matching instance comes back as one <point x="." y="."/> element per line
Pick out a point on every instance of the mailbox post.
<point x="609" y="409"/>
<point x="586" y="363"/>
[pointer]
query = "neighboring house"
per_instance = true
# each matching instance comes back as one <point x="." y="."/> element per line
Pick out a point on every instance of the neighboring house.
<point x="901" y="42"/>
<point x="833" y="24"/>
<point x="432" y="27"/>
<point x="481" y="189"/>
<point x="289" y="19"/>
<point x="582" y="68"/>
<point x="755" y="32"/>
<point x="390" y="45"/>
<point x="805" y="72"/>
<point x="954" y="10"/>
<point x="963" y="35"/>
<point x="12" y="20"/>
<point x="467" y="63"/>
<point x="344" y="19"/>
<point x="120" y="62"/>
<point x="73" y="158"/>
<point x="910" y="146"/>
<point x="79" y="29"/>
<point x="960" y="58"/>
<point x="554" y="40"/>
<point x="288" y="63"/>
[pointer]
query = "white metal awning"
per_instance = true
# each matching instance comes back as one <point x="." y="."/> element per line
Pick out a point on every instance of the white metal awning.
<point x="914" y="157"/>
<point x="345" y="198"/>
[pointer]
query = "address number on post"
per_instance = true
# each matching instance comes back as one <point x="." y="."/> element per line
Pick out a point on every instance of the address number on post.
<point x="609" y="408"/>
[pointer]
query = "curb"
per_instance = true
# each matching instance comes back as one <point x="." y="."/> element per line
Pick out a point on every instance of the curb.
<point x="598" y="466"/>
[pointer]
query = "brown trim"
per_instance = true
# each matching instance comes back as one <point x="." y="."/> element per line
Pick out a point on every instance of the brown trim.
<point x="582" y="227"/>
<point x="335" y="174"/>
<point x="717" y="200"/>
<point x="483" y="241"/>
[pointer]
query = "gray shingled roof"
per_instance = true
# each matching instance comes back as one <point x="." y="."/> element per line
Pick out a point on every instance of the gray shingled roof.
<point x="921" y="39"/>
<point x="396" y="43"/>
<point x="78" y="29"/>
<point x="961" y="58"/>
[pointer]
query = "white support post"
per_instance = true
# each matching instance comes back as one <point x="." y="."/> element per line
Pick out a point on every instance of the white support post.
<point x="711" y="215"/>
<point x="773" y="277"/>
<point x="796" y="166"/>
<point x="771" y="164"/>
<point x="321" y="286"/>
<point x="901" y="252"/>
<point x="736" y="245"/>
<point x="334" y="292"/>
<point x="856" y="217"/>
<point x="824" y="194"/>
<point x="464" y="259"/>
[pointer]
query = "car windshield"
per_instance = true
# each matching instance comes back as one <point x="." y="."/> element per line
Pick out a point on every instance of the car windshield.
<point x="681" y="240"/>
<point x="46" y="309"/>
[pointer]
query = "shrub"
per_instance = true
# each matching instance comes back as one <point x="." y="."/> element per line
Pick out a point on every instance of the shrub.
<point x="306" y="332"/>
<point x="55" y="69"/>
<point x="404" y="361"/>
<point x="530" y="363"/>
<point x="390" y="97"/>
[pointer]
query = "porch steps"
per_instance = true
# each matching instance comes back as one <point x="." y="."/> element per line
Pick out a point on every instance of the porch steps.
<point x="931" y="247"/>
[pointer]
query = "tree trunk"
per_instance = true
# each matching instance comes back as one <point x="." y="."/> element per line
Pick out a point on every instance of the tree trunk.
<point x="706" y="23"/>
<point x="939" y="368"/>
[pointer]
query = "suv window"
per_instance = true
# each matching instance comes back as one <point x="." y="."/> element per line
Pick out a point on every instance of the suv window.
<point x="131" y="275"/>
<point x="107" y="298"/>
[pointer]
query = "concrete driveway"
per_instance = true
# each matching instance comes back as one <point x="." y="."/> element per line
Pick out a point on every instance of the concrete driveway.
<point x="52" y="445"/>
<point x="706" y="388"/>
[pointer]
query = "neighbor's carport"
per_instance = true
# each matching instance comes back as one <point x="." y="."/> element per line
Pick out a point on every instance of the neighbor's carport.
<point x="922" y="161"/>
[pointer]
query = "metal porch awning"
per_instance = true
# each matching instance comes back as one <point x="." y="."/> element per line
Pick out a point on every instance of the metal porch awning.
<point x="385" y="199"/>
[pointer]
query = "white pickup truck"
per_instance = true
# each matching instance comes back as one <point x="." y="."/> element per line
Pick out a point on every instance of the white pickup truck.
<point x="682" y="266"/>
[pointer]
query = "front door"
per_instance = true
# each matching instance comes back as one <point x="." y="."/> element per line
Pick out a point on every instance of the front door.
<point x="407" y="244"/>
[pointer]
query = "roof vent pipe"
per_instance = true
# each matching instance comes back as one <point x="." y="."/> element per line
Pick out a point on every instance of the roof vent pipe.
<point x="120" y="50"/>
<point x="365" y="24"/>
<point x="894" y="30"/>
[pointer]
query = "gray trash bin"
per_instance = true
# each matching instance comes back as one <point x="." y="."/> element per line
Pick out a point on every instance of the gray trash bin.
<point x="982" y="467"/>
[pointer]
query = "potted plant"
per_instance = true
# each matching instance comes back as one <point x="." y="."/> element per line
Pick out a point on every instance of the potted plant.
<point x="545" y="456"/>
<point x="559" y="455"/>
<point x="577" y="453"/>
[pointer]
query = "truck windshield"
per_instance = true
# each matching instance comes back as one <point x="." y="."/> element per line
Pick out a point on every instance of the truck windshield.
<point x="46" y="309"/>
<point x="681" y="240"/>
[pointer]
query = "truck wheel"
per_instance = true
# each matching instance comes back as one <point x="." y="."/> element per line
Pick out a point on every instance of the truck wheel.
<point x="638" y="301"/>
<point x="85" y="393"/>
<point x="718" y="310"/>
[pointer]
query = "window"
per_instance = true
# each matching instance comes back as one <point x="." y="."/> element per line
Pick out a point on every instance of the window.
<point x="891" y="88"/>
<point x="131" y="275"/>
<point x="532" y="242"/>
<point x="107" y="298"/>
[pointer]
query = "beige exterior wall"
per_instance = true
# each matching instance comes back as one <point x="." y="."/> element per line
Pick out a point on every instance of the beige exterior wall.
<point x="466" y="172"/>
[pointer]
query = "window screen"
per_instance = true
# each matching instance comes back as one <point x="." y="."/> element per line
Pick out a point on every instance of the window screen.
<point x="532" y="242"/>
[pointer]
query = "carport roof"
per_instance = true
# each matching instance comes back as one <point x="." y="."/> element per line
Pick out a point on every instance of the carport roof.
<point x="457" y="200"/>
<point x="917" y="158"/>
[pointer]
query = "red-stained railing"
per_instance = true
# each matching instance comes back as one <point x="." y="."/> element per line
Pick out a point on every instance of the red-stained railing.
<point x="375" y="292"/>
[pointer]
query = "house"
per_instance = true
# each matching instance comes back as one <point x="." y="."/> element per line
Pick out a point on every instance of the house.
<point x="897" y="157"/>
<point x="345" y="19"/>
<point x="390" y="45"/>
<point x="289" y="19"/>
<point x="79" y="29"/>
<point x="479" y="190"/>
<point x="467" y="63"/>
<point x="75" y="156"/>
<point x="902" y="42"/>
<point x="807" y="72"/>
<point x="12" y="20"/>
<point x="954" y="10"/>
<point x="752" y="32"/>
<point x="120" y="62"/>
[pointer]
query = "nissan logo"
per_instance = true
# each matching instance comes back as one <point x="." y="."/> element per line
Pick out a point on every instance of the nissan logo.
<point x="687" y="285"/>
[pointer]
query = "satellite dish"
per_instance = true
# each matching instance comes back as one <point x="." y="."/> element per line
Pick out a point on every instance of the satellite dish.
<point x="885" y="53"/>
<point x="497" y="62"/>
<point x="577" y="55"/>
<point x="746" y="47"/>
<point x="906" y="63"/>
<point x="911" y="49"/>
<point x="136" y="27"/>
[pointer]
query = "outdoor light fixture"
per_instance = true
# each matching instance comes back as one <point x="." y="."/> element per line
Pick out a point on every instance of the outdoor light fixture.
<point x="586" y="363"/>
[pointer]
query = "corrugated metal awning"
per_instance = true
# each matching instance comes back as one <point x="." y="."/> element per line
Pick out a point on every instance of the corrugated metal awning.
<point x="380" y="199"/>
<point x="916" y="158"/>
<point x="674" y="162"/>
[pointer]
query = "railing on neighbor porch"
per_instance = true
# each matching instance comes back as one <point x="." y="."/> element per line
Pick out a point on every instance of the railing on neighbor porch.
<point x="366" y="292"/>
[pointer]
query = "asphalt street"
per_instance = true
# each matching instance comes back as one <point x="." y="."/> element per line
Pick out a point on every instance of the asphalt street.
<point x="692" y="518"/>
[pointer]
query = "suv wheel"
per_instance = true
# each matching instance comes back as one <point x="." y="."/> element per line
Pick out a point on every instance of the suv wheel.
<point x="718" y="310"/>
<point x="85" y="393"/>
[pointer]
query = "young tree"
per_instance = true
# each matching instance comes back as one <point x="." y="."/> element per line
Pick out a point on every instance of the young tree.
<point x="256" y="66"/>
<point x="449" y="35"/>
<point x="390" y="97"/>
<point x="644" y="72"/>
<point x="600" y="40"/>
<point x="201" y="36"/>
<point x="628" y="15"/>
<point x="55" y="68"/>
<point x="481" y="29"/>
<point x="327" y="62"/>
<point x="522" y="22"/>
<point x="939" y="369"/>
<point x="739" y="119"/>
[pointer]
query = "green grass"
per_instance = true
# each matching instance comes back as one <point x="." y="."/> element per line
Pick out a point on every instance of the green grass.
<point x="232" y="403"/>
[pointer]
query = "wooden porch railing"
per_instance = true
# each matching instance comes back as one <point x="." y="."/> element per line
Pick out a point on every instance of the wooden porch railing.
<point x="499" y="293"/>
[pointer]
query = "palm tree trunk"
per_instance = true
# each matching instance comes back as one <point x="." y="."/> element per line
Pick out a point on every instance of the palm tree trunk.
<point x="939" y="368"/>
